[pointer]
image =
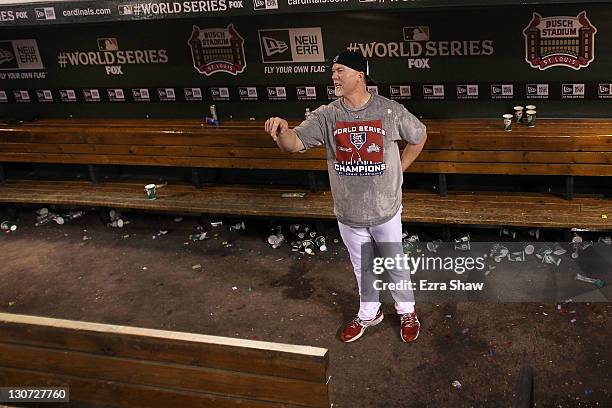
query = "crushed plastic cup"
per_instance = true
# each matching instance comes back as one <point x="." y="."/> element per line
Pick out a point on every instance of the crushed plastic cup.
<point x="559" y="250"/>
<point x="551" y="259"/>
<point x="304" y="229"/>
<point x="42" y="211"/>
<point x="276" y="240"/>
<point x="199" y="236"/>
<point x="216" y="224"/>
<point x="464" y="246"/>
<point x="600" y="283"/>
<point x="320" y="243"/>
<point x="237" y="227"/>
<point x="308" y="246"/>
<point x="516" y="256"/>
<point x="456" y="384"/>
<point x="434" y="245"/>
<point x="541" y="252"/>
<point x="529" y="249"/>
<point x="73" y="215"/>
<point x="414" y="238"/>
<point x="8" y="226"/>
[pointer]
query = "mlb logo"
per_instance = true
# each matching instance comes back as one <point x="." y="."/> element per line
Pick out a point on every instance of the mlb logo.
<point x="125" y="9"/>
<point x="438" y="90"/>
<point x="373" y="89"/>
<point x="358" y="139"/>
<point x="223" y="92"/>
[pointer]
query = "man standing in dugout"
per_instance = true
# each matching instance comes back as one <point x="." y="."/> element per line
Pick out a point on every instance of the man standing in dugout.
<point x="360" y="131"/>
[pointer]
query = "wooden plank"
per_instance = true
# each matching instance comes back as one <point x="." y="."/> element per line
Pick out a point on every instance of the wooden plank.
<point x="427" y="155"/>
<point x="228" y="383"/>
<point x="110" y="393"/>
<point x="478" y="209"/>
<point x="247" y="356"/>
<point x="310" y="164"/>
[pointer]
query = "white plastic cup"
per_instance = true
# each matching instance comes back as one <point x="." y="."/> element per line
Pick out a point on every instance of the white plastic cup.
<point x="518" y="113"/>
<point x="151" y="190"/>
<point x="507" y="122"/>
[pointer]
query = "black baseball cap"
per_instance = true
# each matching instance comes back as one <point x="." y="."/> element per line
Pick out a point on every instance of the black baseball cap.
<point x="354" y="60"/>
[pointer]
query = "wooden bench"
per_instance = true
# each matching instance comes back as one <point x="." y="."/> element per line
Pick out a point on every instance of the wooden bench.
<point x="134" y="367"/>
<point x="565" y="148"/>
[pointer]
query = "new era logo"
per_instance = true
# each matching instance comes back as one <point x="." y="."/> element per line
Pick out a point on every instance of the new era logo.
<point x="306" y="92"/>
<point x="573" y="89"/>
<point x="605" y="89"/>
<point x="265" y="4"/>
<point x="502" y="90"/>
<point x="44" y="13"/>
<point x="273" y="46"/>
<point x="433" y="90"/>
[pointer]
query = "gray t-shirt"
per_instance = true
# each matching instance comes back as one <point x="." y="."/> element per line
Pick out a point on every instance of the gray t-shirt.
<point x="363" y="158"/>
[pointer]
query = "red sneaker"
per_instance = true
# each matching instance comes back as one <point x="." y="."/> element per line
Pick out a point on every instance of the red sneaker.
<point x="357" y="327"/>
<point x="410" y="327"/>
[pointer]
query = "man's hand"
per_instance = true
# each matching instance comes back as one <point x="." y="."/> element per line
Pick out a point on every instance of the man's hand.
<point x="275" y="126"/>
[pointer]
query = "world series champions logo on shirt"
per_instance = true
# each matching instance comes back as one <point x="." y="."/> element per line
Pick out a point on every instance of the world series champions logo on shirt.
<point x="359" y="148"/>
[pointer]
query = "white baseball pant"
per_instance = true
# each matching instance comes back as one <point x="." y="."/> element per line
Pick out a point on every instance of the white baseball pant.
<point x="354" y="238"/>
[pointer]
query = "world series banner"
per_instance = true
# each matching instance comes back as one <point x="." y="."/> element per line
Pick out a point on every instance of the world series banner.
<point x="24" y="13"/>
<point x="561" y="54"/>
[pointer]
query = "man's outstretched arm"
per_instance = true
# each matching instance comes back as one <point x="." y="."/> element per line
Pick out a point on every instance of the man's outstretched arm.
<point x="286" y="139"/>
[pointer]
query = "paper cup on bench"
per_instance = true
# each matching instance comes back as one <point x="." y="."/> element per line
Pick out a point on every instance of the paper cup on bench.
<point x="151" y="190"/>
<point x="507" y="122"/>
<point x="518" y="113"/>
<point x="531" y="118"/>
